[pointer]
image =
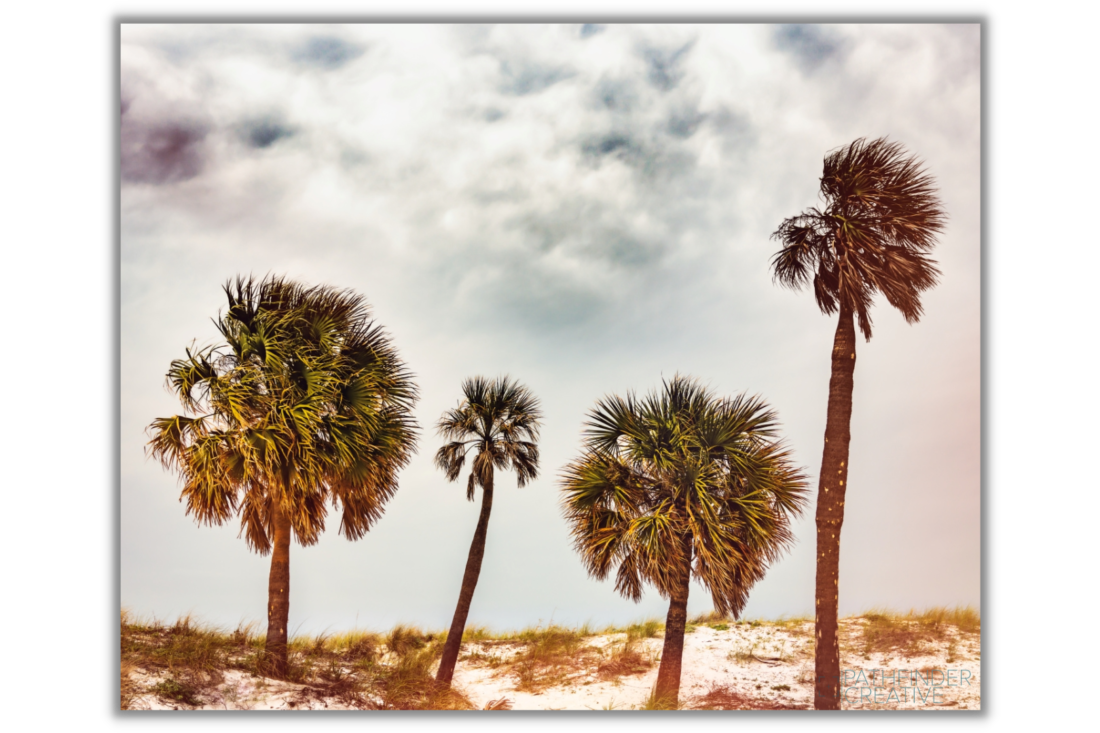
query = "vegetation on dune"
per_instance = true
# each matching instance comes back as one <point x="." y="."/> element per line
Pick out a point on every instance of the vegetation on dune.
<point x="186" y="663"/>
<point x="362" y="669"/>
<point x="305" y="403"/>
<point x="677" y="485"/>
<point x="873" y="235"/>
<point x="909" y="634"/>
<point x="497" y="420"/>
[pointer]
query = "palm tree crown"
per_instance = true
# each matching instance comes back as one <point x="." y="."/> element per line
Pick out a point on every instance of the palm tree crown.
<point x="499" y="420"/>
<point x="682" y="481"/>
<point x="305" y="403"/>
<point x="879" y="222"/>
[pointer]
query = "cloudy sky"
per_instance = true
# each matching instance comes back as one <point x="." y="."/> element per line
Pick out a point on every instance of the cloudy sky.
<point x="585" y="208"/>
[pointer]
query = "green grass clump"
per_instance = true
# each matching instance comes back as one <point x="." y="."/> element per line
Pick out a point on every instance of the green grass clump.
<point x="647" y="629"/>
<point x="177" y="691"/>
<point x="404" y="639"/>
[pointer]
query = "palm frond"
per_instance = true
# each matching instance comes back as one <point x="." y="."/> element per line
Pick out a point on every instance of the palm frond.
<point x="881" y="218"/>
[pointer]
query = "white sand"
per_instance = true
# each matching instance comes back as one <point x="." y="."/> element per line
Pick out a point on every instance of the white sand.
<point x="781" y="675"/>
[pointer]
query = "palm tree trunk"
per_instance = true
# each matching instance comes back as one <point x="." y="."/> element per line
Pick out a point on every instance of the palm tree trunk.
<point x="278" y="596"/>
<point x="469" y="582"/>
<point x="667" y="689"/>
<point x="830" y="513"/>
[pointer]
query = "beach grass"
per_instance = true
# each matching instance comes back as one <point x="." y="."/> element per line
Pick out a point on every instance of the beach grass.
<point x="182" y="663"/>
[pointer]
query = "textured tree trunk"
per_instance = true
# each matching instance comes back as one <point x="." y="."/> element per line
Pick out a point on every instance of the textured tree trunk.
<point x="830" y="513"/>
<point x="278" y="597"/>
<point x="469" y="582"/>
<point x="667" y="689"/>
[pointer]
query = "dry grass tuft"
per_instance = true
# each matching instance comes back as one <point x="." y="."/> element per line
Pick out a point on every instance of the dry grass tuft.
<point x="550" y="655"/>
<point x="127" y="687"/>
<point x="476" y="633"/>
<point x="624" y="660"/>
<point x="361" y="647"/>
<point x="886" y="631"/>
<point x="653" y="702"/>
<point x="408" y="684"/>
<point x="797" y="625"/>
<point x="965" y="618"/>
<point x="723" y="697"/>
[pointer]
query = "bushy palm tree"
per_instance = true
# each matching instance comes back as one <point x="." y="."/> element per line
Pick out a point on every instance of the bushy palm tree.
<point x="880" y="220"/>
<point x="682" y="485"/>
<point x="498" y="420"/>
<point x="304" y="404"/>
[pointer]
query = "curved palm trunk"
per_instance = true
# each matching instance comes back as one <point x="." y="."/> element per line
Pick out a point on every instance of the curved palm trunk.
<point x="667" y="690"/>
<point x="830" y="513"/>
<point x="278" y="597"/>
<point x="469" y="582"/>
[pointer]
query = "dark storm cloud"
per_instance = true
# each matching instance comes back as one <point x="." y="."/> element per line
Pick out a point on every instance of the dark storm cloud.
<point x="737" y="132"/>
<point x="615" y="144"/>
<point x="264" y="132"/>
<point x="522" y="77"/>
<point x="616" y="94"/>
<point x="327" y="52"/>
<point x="600" y="235"/>
<point x="663" y="67"/>
<point x="657" y="160"/>
<point x="811" y="45"/>
<point x="683" y="123"/>
<point x="623" y="249"/>
<point x="162" y="152"/>
<point x="590" y="29"/>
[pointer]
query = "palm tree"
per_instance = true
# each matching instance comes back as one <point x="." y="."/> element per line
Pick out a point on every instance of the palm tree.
<point x="879" y="222"/>
<point x="306" y="402"/>
<point x="499" y="421"/>
<point x="682" y="485"/>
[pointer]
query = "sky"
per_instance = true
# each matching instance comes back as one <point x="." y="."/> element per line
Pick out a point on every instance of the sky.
<point x="587" y="208"/>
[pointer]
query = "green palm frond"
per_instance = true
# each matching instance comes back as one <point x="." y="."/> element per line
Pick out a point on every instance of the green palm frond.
<point x="881" y="219"/>
<point x="680" y="469"/>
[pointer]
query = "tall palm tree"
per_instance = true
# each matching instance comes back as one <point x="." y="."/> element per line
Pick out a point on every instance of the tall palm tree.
<point x="305" y="403"/>
<point x="499" y="421"/>
<point x="880" y="220"/>
<point x="677" y="485"/>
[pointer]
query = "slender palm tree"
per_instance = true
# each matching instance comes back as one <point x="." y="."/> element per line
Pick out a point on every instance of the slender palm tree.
<point x="682" y="485"/>
<point x="305" y="403"/>
<point x="499" y="421"/>
<point x="880" y="220"/>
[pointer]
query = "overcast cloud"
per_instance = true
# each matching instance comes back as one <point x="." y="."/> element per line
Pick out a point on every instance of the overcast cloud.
<point x="586" y="208"/>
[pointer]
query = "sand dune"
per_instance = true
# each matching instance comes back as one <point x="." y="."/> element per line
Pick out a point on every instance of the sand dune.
<point x="886" y="664"/>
